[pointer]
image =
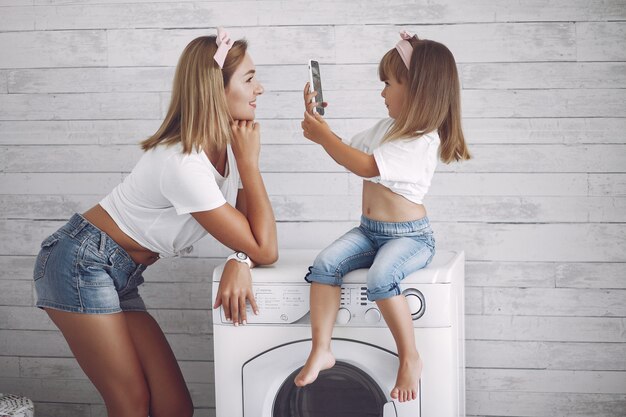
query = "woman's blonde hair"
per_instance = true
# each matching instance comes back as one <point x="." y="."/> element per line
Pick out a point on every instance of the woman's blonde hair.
<point x="433" y="100"/>
<point x="198" y="115"/>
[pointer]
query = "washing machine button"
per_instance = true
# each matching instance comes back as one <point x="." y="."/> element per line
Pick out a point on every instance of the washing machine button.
<point x="372" y="316"/>
<point x="343" y="316"/>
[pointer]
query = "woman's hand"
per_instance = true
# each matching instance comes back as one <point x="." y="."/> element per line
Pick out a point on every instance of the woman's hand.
<point x="246" y="141"/>
<point x="235" y="288"/>
<point x="309" y="105"/>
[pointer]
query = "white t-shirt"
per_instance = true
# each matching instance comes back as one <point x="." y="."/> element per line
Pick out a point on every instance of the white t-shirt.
<point x="406" y="166"/>
<point x="153" y="203"/>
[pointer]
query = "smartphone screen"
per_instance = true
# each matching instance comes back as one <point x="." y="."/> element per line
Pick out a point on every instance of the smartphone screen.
<point x="316" y="84"/>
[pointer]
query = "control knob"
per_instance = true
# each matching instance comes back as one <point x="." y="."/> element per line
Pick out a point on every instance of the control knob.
<point x="343" y="316"/>
<point x="372" y="316"/>
<point x="416" y="301"/>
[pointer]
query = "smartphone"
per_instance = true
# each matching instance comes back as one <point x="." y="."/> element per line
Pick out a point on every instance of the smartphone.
<point x="316" y="85"/>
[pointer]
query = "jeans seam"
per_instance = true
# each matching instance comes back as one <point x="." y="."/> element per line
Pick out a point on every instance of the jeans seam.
<point x="350" y="258"/>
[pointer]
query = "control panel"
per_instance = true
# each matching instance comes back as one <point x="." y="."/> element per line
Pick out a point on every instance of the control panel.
<point x="356" y="309"/>
<point x="284" y="303"/>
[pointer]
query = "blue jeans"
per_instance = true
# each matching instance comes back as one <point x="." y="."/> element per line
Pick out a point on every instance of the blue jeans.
<point x="391" y="251"/>
<point x="81" y="269"/>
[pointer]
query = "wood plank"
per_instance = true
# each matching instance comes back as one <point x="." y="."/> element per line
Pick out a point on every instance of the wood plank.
<point x="600" y="41"/>
<point x="63" y="409"/>
<point x="76" y="132"/>
<point x="545" y="355"/>
<point x="500" y="42"/>
<point x="545" y="130"/>
<point x="81" y="106"/>
<point x="288" y="131"/>
<point x="546" y="381"/>
<point x="348" y="208"/>
<point x="607" y="184"/>
<point x="539" y="404"/>
<point x="546" y="274"/>
<point x="42" y="49"/>
<point x="10" y="366"/>
<point x="4" y="82"/>
<point x="16" y="293"/>
<point x="273" y="13"/>
<point x="481" y="241"/>
<point x="16" y="267"/>
<point x="312" y="158"/>
<point x="147" y="15"/>
<point x="517" y="184"/>
<point x="591" y="275"/>
<point x="19" y="18"/>
<point x="335" y="184"/>
<point x="63" y="184"/>
<point x="478" y="76"/>
<point x="548" y="75"/>
<point x="174" y="295"/>
<point x="476" y="104"/>
<point x="546" y="328"/>
<point x="584" y="302"/>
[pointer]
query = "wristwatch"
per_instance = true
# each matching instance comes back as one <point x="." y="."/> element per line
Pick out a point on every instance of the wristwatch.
<point x="240" y="257"/>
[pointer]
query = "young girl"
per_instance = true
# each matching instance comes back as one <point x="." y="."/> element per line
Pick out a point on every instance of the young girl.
<point x="396" y="158"/>
<point x="184" y="186"/>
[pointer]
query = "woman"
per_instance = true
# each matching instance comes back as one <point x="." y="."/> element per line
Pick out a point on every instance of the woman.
<point x="183" y="187"/>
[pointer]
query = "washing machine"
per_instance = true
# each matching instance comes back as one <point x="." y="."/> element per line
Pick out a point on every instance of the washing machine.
<point x="255" y="364"/>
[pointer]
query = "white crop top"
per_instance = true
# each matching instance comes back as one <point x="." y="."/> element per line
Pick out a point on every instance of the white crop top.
<point x="153" y="204"/>
<point x="406" y="166"/>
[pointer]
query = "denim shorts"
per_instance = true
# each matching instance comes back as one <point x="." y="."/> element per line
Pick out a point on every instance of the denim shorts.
<point x="391" y="251"/>
<point x="81" y="269"/>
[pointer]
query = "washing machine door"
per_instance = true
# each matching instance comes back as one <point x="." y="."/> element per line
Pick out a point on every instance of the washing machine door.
<point x="358" y="384"/>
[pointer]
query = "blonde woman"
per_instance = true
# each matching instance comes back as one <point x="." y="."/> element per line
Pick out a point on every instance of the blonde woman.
<point x="185" y="185"/>
<point x="397" y="159"/>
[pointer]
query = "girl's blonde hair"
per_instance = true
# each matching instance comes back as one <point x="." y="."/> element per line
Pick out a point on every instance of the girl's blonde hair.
<point x="433" y="100"/>
<point x="198" y="115"/>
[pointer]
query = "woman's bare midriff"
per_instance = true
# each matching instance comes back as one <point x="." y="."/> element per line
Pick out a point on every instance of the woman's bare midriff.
<point x="382" y="204"/>
<point x="103" y="221"/>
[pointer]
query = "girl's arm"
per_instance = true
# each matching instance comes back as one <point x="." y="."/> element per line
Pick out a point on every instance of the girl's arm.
<point x="317" y="130"/>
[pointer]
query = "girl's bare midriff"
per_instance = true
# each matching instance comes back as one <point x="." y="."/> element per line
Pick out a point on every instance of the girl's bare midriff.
<point x="103" y="221"/>
<point x="382" y="204"/>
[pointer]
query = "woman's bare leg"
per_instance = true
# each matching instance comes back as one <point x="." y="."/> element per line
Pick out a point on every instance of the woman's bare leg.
<point x="325" y="301"/>
<point x="104" y="349"/>
<point x="169" y="395"/>
<point x="397" y="315"/>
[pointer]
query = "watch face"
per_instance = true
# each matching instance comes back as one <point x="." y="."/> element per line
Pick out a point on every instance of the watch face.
<point x="242" y="256"/>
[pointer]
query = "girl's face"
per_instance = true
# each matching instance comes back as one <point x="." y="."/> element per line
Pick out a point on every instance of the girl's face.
<point x="242" y="91"/>
<point x="394" y="94"/>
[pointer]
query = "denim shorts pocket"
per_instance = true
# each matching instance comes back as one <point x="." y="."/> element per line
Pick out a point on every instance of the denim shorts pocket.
<point x="44" y="253"/>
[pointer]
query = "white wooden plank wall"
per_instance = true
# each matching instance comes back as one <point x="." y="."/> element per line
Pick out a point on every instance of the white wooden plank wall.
<point x="540" y="211"/>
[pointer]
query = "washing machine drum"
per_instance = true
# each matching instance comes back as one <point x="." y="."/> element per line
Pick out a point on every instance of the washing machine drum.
<point x="344" y="390"/>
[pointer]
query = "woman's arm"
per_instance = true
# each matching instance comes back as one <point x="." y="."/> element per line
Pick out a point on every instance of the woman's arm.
<point x="255" y="232"/>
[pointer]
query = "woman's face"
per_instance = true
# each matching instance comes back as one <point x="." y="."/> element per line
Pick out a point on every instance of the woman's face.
<point x="242" y="91"/>
<point x="394" y="94"/>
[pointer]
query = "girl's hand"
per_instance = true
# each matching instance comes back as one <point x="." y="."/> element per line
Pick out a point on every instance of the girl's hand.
<point x="315" y="128"/>
<point x="246" y="141"/>
<point x="235" y="288"/>
<point x="308" y="96"/>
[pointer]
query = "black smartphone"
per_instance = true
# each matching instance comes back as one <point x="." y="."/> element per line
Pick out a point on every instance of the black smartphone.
<point x="315" y="84"/>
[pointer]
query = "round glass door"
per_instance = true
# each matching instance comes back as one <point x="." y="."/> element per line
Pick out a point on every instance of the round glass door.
<point x="344" y="390"/>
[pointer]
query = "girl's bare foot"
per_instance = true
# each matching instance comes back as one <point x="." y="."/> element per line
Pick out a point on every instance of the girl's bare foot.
<point x="409" y="373"/>
<point x="319" y="359"/>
